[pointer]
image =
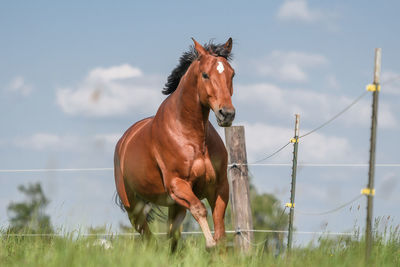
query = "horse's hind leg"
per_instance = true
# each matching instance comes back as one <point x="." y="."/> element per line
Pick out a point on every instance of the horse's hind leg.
<point x="138" y="218"/>
<point x="176" y="214"/>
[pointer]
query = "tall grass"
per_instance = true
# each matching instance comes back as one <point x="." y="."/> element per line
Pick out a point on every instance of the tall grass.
<point x="128" y="251"/>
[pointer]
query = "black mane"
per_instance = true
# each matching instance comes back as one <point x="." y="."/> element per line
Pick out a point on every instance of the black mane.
<point x="186" y="59"/>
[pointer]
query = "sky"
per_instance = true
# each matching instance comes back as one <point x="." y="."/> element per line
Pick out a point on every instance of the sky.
<point x="75" y="75"/>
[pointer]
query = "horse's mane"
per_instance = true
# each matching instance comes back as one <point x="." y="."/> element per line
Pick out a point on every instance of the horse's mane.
<point x="186" y="59"/>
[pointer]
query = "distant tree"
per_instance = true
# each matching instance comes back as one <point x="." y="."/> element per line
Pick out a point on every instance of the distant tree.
<point x="268" y="213"/>
<point x="29" y="215"/>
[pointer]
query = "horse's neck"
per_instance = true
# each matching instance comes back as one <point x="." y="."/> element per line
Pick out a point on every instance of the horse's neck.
<point x="191" y="116"/>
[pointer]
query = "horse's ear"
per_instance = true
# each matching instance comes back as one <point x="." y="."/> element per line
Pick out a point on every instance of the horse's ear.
<point x="199" y="48"/>
<point x="228" y="45"/>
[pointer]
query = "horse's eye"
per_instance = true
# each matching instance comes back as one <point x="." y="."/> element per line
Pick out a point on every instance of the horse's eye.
<point x="205" y="75"/>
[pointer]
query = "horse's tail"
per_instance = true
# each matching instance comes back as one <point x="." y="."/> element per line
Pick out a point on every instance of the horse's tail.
<point x="155" y="211"/>
<point x="120" y="196"/>
<point x="118" y="201"/>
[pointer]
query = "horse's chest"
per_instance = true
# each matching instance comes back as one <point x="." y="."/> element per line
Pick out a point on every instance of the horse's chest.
<point x="202" y="168"/>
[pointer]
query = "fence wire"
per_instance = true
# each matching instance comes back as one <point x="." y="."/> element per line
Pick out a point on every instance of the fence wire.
<point x="229" y="165"/>
<point x="391" y="80"/>
<point x="272" y="154"/>
<point x="164" y="233"/>
<point x="336" y="116"/>
<point x="331" y="210"/>
<point x="295" y="232"/>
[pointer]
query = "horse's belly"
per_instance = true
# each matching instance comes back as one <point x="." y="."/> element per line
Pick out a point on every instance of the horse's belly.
<point x="150" y="188"/>
<point x="144" y="180"/>
<point x="161" y="200"/>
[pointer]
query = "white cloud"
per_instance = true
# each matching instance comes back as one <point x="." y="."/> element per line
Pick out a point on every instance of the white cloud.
<point x="390" y="82"/>
<point x="313" y="106"/>
<point x="263" y="139"/>
<point x="112" y="91"/>
<point x="19" y="85"/>
<point x="123" y="71"/>
<point x="42" y="141"/>
<point x="290" y="65"/>
<point x="298" y="10"/>
<point x="55" y="142"/>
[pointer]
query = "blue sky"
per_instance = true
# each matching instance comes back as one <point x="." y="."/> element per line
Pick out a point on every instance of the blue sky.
<point x="75" y="75"/>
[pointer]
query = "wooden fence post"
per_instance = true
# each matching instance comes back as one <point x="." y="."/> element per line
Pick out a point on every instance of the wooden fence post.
<point x="240" y="192"/>
<point x="370" y="191"/>
<point x="295" y="142"/>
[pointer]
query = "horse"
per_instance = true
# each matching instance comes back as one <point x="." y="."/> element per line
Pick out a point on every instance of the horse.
<point x="176" y="158"/>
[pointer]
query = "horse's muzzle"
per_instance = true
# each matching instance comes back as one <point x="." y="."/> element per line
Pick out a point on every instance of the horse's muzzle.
<point x="225" y="116"/>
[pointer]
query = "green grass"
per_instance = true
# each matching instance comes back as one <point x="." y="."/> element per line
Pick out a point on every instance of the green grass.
<point x="127" y="251"/>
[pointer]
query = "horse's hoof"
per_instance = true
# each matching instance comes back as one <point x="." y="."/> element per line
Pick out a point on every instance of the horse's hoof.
<point x="210" y="244"/>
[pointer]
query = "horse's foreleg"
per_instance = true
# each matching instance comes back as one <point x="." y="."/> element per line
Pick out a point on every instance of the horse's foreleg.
<point x="218" y="202"/>
<point x="176" y="214"/>
<point x="182" y="193"/>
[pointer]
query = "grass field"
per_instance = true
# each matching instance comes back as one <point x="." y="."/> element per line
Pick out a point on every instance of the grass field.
<point x="129" y="251"/>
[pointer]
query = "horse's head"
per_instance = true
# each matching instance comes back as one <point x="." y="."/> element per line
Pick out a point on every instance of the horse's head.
<point x="214" y="83"/>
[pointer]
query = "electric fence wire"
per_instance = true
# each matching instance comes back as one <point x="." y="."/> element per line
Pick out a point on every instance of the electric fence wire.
<point x="331" y="210"/>
<point x="336" y="116"/>
<point x="108" y="234"/>
<point x="272" y="154"/>
<point x="229" y="165"/>
<point x="391" y="80"/>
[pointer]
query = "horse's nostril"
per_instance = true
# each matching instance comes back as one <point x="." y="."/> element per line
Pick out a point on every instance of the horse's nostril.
<point x="227" y="113"/>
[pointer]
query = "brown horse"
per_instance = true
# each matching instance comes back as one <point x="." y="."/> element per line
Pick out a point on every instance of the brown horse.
<point x="177" y="158"/>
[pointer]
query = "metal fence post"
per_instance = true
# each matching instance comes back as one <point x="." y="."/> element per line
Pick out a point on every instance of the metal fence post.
<point x="295" y="142"/>
<point x="370" y="191"/>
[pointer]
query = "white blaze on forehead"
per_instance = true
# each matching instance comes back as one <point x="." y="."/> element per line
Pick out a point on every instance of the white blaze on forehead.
<point x="220" y="67"/>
